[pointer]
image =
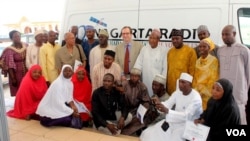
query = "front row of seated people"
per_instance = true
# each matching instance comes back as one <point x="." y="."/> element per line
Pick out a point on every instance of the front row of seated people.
<point x="110" y="110"/>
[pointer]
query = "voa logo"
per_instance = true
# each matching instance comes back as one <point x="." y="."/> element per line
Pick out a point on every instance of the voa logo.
<point x="236" y="132"/>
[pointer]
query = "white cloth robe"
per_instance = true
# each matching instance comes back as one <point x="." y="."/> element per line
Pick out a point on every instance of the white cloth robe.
<point x="32" y="55"/>
<point x="235" y="66"/>
<point x="188" y="107"/>
<point x="152" y="61"/>
<point x="60" y="92"/>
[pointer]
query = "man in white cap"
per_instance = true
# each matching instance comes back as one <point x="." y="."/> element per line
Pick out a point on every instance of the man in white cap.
<point x="152" y="60"/>
<point x="203" y="33"/>
<point x="32" y="53"/>
<point x="159" y="90"/>
<point x="136" y="92"/>
<point x="97" y="53"/>
<point x="158" y="87"/>
<point x="187" y="107"/>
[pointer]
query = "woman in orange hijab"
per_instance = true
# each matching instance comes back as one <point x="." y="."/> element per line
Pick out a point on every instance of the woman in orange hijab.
<point x="31" y="91"/>
<point x="82" y="92"/>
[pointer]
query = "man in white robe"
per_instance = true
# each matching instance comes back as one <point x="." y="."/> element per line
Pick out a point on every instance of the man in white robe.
<point x="152" y="60"/>
<point x="32" y="52"/>
<point x="97" y="53"/>
<point x="234" y="61"/>
<point x="188" y="106"/>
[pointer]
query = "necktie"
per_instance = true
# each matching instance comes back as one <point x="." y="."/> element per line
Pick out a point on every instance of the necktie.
<point x="126" y="61"/>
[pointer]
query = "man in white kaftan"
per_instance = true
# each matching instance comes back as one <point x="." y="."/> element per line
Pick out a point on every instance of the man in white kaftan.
<point x="234" y="61"/>
<point x="152" y="60"/>
<point x="188" y="106"/>
<point x="32" y="52"/>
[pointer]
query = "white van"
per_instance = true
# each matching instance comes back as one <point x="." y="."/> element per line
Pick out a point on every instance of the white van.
<point x="145" y="15"/>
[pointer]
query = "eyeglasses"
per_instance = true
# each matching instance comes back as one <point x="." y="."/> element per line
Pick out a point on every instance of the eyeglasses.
<point x="126" y="33"/>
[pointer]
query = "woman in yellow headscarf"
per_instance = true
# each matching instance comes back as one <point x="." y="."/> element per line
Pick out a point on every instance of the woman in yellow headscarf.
<point x="206" y="71"/>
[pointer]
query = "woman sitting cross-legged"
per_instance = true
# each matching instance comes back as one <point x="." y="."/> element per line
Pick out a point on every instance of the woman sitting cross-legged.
<point x="82" y="93"/>
<point x="57" y="106"/>
<point x="31" y="91"/>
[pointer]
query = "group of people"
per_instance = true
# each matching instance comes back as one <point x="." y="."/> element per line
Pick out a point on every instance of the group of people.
<point x="206" y="84"/>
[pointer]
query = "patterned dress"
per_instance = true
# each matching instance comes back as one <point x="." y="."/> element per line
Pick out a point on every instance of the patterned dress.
<point x="15" y="59"/>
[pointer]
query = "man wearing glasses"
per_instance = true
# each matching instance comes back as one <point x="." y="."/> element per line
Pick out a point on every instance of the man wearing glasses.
<point x="127" y="51"/>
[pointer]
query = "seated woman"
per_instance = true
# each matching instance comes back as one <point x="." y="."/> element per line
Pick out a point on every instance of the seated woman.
<point x="57" y="106"/>
<point x="82" y="92"/>
<point x="31" y="91"/>
<point x="222" y="110"/>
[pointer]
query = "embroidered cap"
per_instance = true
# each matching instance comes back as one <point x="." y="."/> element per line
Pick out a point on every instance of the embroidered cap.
<point x="187" y="77"/>
<point x="160" y="78"/>
<point x="103" y="32"/>
<point x="135" y="71"/>
<point x="38" y="32"/>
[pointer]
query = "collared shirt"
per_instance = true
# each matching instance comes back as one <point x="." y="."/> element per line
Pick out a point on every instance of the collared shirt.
<point x="64" y="57"/>
<point x="99" y="71"/>
<point x="96" y="55"/>
<point x="47" y="61"/>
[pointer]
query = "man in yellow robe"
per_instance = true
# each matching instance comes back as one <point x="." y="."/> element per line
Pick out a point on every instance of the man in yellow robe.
<point x="181" y="58"/>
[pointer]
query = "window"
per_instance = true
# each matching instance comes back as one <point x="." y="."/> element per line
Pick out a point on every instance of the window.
<point x="244" y="25"/>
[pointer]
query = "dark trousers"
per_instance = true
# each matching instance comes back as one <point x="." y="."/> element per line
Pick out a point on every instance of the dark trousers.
<point x="64" y="121"/>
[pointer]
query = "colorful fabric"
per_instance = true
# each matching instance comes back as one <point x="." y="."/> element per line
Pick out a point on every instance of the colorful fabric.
<point x="82" y="91"/>
<point x="28" y="95"/>
<point x="206" y="73"/>
<point x="15" y="59"/>
<point x="209" y="42"/>
<point x="181" y="60"/>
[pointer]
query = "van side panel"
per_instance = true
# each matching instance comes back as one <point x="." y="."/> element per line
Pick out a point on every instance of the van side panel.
<point x="144" y="15"/>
